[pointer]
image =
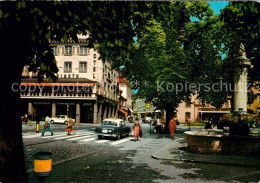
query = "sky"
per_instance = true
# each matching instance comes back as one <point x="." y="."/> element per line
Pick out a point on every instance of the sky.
<point x="217" y="5"/>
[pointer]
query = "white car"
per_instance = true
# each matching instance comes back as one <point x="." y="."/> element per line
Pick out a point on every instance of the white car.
<point x="148" y="119"/>
<point x="61" y="119"/>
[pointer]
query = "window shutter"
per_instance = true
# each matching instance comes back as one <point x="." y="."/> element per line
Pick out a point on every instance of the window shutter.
<point x="78" y="50"/>
<point x="72" y="51"/>
<point x="88" y="50"/>
<point x="63" y="50"/>
<point x="58" y="50"/>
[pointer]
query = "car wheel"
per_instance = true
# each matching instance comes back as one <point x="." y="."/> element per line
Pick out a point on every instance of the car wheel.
<point x="127" y="135"/>
<point x="65" y="122"/>
<point x="52" y="121"/>
<point x="99" y="137"/>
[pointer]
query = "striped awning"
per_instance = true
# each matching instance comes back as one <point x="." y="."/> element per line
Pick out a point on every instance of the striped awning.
<point x="122" y="111"/>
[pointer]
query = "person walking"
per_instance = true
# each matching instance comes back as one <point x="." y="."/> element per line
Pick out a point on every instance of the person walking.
<point x="137" y="129"/>
<point x="172" y="126"/>
<point x="69" y="128"/>
<point x="47" y="125"/>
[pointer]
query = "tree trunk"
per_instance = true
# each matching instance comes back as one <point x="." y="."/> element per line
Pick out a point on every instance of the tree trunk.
<point x="169" y="114"/>
<point x="12" y="164"/>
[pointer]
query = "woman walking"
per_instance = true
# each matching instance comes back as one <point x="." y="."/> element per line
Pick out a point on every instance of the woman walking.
<point x="172" y="126"/>
<point x="136" y="129"/>
<point x="69" y="128"/>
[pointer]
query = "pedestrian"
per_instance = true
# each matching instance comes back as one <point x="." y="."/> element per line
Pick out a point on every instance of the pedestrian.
<point x="69" y="128"/>
<point x="137" y="129"/>
<point x="172" y="126"/>
<point x="47" y="125"/>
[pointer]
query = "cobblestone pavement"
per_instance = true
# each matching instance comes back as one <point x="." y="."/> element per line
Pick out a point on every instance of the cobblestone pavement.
<point x="62" y="150"/>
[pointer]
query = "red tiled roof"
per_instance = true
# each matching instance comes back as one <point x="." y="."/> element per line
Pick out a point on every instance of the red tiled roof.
<point x="122" y="80"/>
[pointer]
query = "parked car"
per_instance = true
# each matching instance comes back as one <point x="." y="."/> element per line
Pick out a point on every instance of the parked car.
<point x="148" y="119"/>
<point x="61" y="119"/>
<point x="115" y="128"/>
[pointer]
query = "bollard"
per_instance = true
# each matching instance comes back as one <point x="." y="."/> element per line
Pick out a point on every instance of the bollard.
<point x="42" y="164"/>
<point x="37" y="127"/>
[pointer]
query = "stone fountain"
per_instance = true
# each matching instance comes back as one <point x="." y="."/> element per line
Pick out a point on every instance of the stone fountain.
<point x="209" y="140"/>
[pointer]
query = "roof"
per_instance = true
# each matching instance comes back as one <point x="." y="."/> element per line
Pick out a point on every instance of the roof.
<point x="113" y="119"/>
<point x="123" y="80"/>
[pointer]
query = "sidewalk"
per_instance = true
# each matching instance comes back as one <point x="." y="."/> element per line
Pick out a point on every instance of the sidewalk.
<point x="176" y="151"/>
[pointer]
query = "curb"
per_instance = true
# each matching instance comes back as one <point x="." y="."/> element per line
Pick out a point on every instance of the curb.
<point x="164" y="154"/>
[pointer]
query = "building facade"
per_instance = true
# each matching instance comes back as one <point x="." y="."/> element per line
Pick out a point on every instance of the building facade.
<point x="86" y="89"/>
<point x="125" y="98"/>
<point x="192" y="110"/>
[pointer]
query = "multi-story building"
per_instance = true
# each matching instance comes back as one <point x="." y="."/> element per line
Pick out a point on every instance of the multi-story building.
<point x="87" y="87"/>
<point x="125" y="97"/>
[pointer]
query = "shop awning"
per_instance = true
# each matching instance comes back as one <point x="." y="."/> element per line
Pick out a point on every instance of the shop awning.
<point x="122" y="111"/>
<point x="58" y="84"/>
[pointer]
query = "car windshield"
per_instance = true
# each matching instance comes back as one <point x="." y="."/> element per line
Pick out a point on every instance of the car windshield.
<point x="111" y="123"/>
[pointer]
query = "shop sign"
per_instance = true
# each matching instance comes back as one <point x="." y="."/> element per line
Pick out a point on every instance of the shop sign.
<point x="87" y="104"/>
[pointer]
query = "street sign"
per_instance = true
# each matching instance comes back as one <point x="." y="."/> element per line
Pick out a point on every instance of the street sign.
<point x="148" y="105"/>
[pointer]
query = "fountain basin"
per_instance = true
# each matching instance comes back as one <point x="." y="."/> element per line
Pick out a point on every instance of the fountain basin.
<point x="219" y="142"/>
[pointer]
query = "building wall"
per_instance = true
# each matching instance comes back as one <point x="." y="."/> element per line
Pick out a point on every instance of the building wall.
<point x="100" y="104"/>
<point x="126" y="93"/>
<point x="255" y="105"/>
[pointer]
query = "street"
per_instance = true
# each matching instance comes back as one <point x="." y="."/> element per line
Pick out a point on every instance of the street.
<point x="85" y="158"/>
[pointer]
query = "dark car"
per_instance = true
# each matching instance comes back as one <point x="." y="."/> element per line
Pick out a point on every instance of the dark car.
<point x="115" y="128"/>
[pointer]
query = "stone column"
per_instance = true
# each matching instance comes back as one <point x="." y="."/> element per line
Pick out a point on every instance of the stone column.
<point x="53" y="109"/>
<point x="95" y="115"/>
<point x="99" y="114"/>
<point x="77" y="112"/>
<point x="30" y="107"/>
<point x="113" y="112"/>
<point x="240" y="81"/>
<point x="105" y="112"/>
<point x="116" y="111"/>
<point x="109" y="111"/>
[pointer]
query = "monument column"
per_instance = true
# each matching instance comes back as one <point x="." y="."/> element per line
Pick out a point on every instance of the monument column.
<point x="240" y="81"/>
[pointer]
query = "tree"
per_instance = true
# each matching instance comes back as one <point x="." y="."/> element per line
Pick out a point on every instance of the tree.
<point x="171" y="53"/>
<point x="25" y="31"/>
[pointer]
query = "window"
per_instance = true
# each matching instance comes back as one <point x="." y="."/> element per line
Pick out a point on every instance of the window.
<point x="95" y="55"/>
<point x="83" y="67"/>
<point x="83" y="50"/>
<point x="54" y="50"/>
<point x="67" y="67"/>
<point x="94" y="69"/>
<point x="188" y="103"/>
<point x="94" y="61"/>
<point x="187" y="115"/>
<point x="68" y="50"/>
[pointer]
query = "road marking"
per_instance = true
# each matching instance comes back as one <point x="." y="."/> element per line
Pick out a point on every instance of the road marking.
<point x="120" y="141"/>
<point x="86" y="140"/>
<point x="31" y="136"/>
<point x="77" y="138"/>
<point x="101" y="141"/>
<point x="142" y="149"/>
